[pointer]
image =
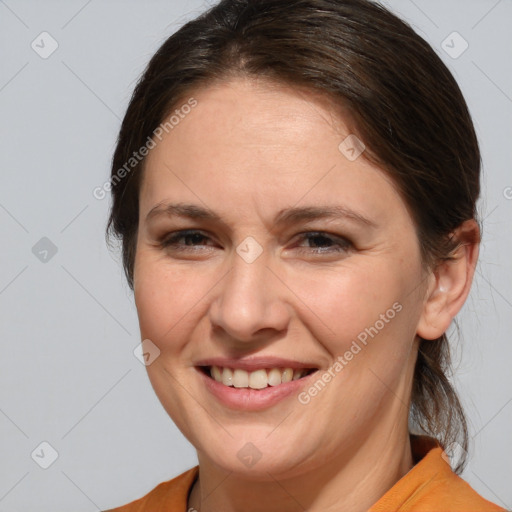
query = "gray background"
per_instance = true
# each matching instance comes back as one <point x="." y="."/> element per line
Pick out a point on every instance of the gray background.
<point x="68" y="325"/>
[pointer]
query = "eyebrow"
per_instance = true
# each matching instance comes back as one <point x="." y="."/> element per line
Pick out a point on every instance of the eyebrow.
<point x="287" y="216"/>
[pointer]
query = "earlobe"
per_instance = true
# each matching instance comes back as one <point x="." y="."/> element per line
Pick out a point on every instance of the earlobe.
<point x="450" y="283"/>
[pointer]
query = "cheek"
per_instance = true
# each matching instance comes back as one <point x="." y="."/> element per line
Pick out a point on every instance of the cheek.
<point x="169" y="300"/>
<point x="344" y="301"/>
<point x="159" y="297"/>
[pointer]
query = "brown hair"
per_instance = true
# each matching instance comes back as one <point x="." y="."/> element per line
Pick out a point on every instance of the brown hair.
<point x="405" y="104"/>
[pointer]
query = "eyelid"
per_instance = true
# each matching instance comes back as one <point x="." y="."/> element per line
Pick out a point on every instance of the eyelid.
<point x="319" y="232"/>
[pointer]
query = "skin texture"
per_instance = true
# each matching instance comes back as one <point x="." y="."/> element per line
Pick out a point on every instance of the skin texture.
<point x="248" y="150"/>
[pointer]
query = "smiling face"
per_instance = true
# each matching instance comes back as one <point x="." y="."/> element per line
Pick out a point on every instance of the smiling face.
<point x="238" y="272"/>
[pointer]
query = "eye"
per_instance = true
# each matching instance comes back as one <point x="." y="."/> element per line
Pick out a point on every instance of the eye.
<point x="192" y="238"/>
<point x="326" y="242"/>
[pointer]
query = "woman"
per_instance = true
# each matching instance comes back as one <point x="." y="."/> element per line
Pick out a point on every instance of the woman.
<point x="294" y="186"/>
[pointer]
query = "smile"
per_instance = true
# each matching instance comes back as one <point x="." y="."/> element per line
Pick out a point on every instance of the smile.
<point x="256" y="379"/>
<point x="255" y="383"/>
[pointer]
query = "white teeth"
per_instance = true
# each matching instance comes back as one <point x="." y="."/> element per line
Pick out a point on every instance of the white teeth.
<point x="216" y="373"/>
<point x="258" y="379"/>
<point x="227" y="377"/>
<point x="274" y="377"/>
<point x="240" y="378"/>
<point x="287" y="375"/>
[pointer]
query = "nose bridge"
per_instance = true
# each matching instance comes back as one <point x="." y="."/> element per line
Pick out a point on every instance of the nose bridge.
<point x="249" y="299"/>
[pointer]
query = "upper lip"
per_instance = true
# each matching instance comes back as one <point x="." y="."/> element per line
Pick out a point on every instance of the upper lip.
<point x="253" y="363"/>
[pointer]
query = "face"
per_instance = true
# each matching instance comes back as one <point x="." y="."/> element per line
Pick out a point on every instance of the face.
<point x="286" y="335"/>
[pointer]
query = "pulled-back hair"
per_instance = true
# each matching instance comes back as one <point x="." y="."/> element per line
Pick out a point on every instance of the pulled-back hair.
<point x="404" y="104"/>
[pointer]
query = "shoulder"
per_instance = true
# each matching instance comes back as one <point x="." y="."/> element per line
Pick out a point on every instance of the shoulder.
<point x="449" y="492"/>
<point x="432" y="486"/>
<point x="172" y="493"/>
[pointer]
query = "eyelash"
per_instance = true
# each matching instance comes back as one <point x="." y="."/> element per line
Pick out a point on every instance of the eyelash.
<point x="171" y="241"/>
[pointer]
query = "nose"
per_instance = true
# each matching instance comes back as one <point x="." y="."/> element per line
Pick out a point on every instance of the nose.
<point x="250" y="305"/>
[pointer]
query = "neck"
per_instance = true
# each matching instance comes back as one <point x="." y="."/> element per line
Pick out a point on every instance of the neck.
<point x="351" y="481"/>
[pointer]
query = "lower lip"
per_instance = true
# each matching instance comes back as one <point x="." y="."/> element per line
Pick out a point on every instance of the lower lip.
<point x="248" y="399"/>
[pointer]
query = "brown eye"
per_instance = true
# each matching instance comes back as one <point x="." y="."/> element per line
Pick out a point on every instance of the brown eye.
<point x="192" y="239"/>
<point x="325" y="242"/>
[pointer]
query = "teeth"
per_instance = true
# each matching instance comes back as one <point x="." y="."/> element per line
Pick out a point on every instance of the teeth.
<point x="258" y="379"/>
<point x="227" y="376"/>
<point x="240" y="378"/>
<point x="216" y="373"/>
<point x="287" y="375"/>
<point x="274" y="377"/>
<point x="297" y="374"/>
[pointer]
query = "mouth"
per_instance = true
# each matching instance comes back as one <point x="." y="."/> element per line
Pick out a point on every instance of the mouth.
<point x="258" y="379"/>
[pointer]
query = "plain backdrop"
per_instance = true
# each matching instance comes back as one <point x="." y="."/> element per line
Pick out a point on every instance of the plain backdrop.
<point x="68" y="374"/>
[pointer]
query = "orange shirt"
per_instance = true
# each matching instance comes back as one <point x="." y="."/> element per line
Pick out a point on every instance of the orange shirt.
<point x="430" y="486"/>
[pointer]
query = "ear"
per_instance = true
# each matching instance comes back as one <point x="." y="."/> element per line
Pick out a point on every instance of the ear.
<point x="449" y="283"/>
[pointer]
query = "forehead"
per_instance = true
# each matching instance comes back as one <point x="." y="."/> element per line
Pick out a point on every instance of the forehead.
<point x="264" y="141"/>
<point x="247" y="107"/>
